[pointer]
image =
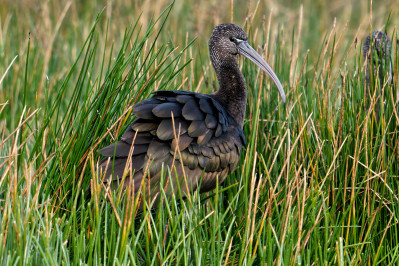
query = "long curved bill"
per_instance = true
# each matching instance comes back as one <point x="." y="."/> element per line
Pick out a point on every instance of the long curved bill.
<point x="246" y="50"/>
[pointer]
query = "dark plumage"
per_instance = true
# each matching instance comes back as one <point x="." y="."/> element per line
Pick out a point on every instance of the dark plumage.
<point x="377" y="56"/>
<point x="195" y="135"/>
<point x="381" y="43"/>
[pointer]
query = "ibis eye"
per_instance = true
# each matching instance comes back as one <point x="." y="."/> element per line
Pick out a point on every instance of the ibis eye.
<point x="232" y="39"/>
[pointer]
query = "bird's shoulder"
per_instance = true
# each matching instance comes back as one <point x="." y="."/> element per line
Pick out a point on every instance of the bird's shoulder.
<point x="199" y="116"/>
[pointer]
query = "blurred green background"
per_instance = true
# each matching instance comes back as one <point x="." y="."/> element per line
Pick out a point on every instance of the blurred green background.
<point x="58" y="28"/>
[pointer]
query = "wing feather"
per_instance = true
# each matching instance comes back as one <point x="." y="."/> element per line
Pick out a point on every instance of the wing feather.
<point x="209" y="143"/>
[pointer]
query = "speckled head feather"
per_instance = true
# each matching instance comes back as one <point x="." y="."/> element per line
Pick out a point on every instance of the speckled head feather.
<point x="221" y="43"/>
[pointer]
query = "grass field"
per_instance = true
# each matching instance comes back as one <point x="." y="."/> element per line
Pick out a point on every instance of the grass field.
<point x="317" y="182"/>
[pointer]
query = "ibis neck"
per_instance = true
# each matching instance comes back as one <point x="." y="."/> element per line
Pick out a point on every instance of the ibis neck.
<point x="232" y="93"/>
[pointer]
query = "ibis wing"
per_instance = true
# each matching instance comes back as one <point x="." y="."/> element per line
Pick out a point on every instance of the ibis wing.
<point x="189" y="133"/>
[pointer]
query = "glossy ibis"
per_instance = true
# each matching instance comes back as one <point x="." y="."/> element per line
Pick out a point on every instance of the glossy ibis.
<point x="377" y="56"/>
<point x="198" y="136"/>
